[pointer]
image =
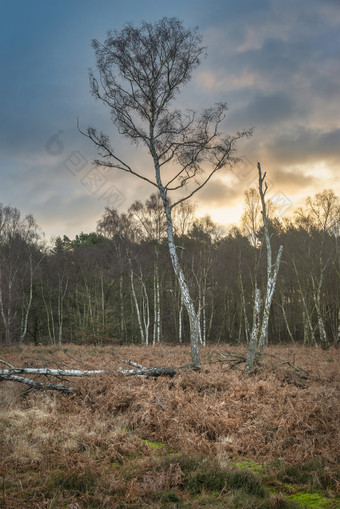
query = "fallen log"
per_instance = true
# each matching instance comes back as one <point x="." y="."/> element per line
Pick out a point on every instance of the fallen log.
<point x="37" y="385"/>
<point x="48" y="371"/>
<point x="153" y="372"/>
<point x="13" y="373"/>
<point x="146" y="372"/>
<point x="149" y="372"/>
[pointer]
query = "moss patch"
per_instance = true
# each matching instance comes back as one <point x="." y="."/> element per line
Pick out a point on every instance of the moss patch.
<point x="314" y="500"/>
<point x="153" y="445"/>
<point x="255" y="467"/>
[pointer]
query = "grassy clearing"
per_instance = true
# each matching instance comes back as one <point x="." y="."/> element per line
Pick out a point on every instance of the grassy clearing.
<point x="214" y="438"/>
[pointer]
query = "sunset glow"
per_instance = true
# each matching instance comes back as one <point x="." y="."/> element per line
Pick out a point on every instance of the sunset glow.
<point x="274" y="63"/>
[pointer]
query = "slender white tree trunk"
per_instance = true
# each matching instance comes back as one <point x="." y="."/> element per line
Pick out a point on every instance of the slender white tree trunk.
<point x="28" y="307"/>
<point x="317" y="302"/>
<point x="308" y="329"/>
<point x="286" y="320"/>
<point x="180" y="320"/>
<point x="146" y="312"/>
<point x="157" y="305"/>
<point x="204" y="319"/>
<point x="102" y="300"/>
<point x="3" y="313"/>
<point x="139" y="320"/>
<point x="187" y="300"/>
<point x="61" y="297"/>
<point x="121" y="306"/>
<point x="195" y="329"/>
<point x="272" y="272"/>
<point x="255" y="332"/>
<point x="271" y="283"/>
<point x="244" y="310"/>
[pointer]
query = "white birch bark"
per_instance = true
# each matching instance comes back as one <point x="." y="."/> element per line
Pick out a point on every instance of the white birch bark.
<point x="48" y="371"/>
<point x="187" y="300"/>
<point x="244" y="310"/>
<point x="156" y="303"/>
<point x="271" y="283"/>
<point x="2" y="308"/>
<point x="254" y="333"/>
<point x="139" y="320"/>
<point x="204" y="320"/>
<point x="272" y="272"/>
<point x="146" y="312"/>
<point x="121" y="306"/>
<point x="308" y="328"/>
<point x="61" y="296"/>
<point x="102" y="300"/>
<point x="286" y="320"/>
<point x="317" y="302"/>
<point x="180" y="320"/>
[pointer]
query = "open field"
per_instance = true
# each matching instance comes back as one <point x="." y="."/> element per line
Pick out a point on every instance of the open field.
<point x="214" y="438"/>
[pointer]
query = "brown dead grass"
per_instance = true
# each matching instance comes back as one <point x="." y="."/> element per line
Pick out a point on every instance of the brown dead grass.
<point x="219" y="411"/>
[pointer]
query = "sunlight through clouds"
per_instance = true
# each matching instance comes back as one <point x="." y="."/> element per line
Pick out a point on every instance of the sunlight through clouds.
<point x="275" y="64"/>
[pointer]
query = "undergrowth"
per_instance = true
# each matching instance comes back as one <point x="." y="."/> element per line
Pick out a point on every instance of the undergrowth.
<point x="215" y="438"/>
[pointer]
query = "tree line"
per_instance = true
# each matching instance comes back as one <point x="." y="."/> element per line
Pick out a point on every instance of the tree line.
<point x="118" y="283"/>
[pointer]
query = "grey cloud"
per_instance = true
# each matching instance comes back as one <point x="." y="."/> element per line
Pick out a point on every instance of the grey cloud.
<point x="219" y="194"/>
<point x="303" y="145"/>
<point x="291" y="180"/>
<point x="264" y="109"/>
<point x="290" y="50"/>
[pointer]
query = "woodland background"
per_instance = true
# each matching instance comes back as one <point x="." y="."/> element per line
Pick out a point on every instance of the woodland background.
<point x="118" y="284"/>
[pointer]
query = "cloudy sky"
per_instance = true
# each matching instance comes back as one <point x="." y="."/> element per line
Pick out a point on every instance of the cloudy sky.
<point x="275" y="63"/>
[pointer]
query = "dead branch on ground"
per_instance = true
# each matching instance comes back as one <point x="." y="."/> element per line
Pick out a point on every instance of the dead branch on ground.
<point x="14" y="374"/>
<point x="234" y="359"/>
<point x="153" y="372"/>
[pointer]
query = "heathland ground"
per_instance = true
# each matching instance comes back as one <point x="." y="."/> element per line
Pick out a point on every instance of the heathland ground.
<point x="210" y="438"/>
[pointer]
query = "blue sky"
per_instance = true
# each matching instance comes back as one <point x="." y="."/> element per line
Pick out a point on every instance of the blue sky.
<point x="275" y="63"/>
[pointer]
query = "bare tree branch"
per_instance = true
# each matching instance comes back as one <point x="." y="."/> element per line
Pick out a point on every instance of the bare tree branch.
<point x="36" y="385"/>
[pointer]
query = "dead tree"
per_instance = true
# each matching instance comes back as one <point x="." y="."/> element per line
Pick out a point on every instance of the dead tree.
<point x="260" y="323"/>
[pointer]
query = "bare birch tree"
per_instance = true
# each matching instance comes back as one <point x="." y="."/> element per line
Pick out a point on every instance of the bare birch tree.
<point x="20" y="257"/>
<point x="260" y="324"/>
<point x="141" y="70"/>
<point x="320" y="217"/>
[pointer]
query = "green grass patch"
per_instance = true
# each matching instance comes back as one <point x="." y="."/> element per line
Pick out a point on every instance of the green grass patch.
<point x="207" y="475"/>
<point x="153" y="445"/>
<point x="313" y="500"/>
<point x="256" y="468"/>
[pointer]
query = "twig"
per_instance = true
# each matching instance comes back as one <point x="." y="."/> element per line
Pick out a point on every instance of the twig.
<point x="131" y="363"/>
<point x="299" y="370"/>
<point x="7" y="364"/>
<point x="283" y="361"/>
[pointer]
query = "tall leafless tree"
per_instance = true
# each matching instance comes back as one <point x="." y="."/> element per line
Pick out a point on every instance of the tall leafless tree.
<point x="140" y="72"/>
<point x="260" y="324"/>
